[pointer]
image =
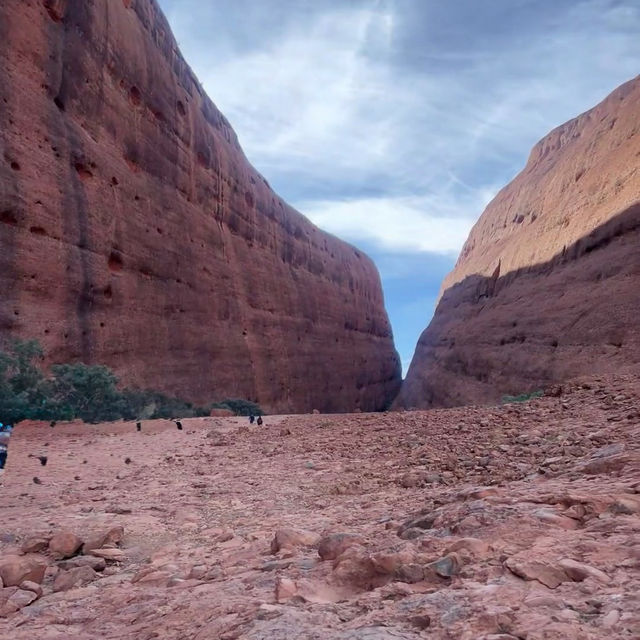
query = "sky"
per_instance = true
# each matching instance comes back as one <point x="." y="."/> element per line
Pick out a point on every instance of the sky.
<point x="393" y="123"/>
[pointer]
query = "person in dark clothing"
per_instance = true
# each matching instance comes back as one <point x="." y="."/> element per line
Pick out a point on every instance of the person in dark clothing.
<point x="252" y="419"/>
<point x="138" y="426"/>
<point x="179" y="425"/>
<point x="259" y="420"/>
<point x="3" y="456"/>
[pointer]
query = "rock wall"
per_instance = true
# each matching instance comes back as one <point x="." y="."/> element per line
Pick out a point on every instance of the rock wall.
<point x="547" y="286"/>
<point x="134" y="233"/>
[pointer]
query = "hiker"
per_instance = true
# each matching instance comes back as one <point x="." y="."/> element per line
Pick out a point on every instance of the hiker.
<point x="259" y="420"/>
<point x="252" y="419"/>
<point x="3" y="456"/>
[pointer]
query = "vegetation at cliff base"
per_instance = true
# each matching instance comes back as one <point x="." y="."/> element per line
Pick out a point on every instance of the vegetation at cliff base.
<point x="523" y="397"/>
<point x="87" y="392"/>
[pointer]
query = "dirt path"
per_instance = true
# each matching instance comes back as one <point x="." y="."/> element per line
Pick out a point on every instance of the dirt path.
<point x="502" y="498"/>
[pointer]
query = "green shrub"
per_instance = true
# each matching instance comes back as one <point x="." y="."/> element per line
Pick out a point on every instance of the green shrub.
<point x="524" y="397"/>
<point x="148" y="405"/>
<point x="88" y="392"/>
<point x="23" y="390"/>
<point x="239" y="407"/>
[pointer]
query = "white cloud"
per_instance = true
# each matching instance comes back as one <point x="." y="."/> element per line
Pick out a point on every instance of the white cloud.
<point x="394" y="224"/>
<point x="326" y="110"/>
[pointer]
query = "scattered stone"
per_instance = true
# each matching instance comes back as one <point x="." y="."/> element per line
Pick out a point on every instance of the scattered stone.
<point x="579" y="571"/>
<point x="97" y="564"/>
<point x="446" y="567"/>
<point x="16" y="569"/>
<point x="422" y="621"/>
<point x="64" y="544"/>
<point x="27" y="585"/>
<point x="16" y="601"/>
<point x="73" y="578"/>
<point x="474" y="546"/>
<point x="35" y="544"/>
<point x="285" y="589"/>
<point x="114" y="555"/>
<point x="292" y="538"/>
<point x="335" y="544"/>
<point x="546" y="574"/>
<point x="112" y="536"/>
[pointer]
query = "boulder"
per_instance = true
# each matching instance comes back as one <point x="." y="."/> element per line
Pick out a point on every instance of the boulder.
<point x="64" y="544"/>
<point x="17" y="569"/>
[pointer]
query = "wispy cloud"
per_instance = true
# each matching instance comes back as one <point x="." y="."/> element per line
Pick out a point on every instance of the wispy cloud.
<point x="395" y="224"/>
<point x="342" y="122"/>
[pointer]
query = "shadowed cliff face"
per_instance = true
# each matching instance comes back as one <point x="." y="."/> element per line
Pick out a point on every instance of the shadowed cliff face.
<point x="547" y="285"/>
<point x="134" y="233"/>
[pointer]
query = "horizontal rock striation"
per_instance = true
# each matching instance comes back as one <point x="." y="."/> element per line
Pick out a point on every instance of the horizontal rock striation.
<point x="547" y="285"/>
<point x="134" y="232"/>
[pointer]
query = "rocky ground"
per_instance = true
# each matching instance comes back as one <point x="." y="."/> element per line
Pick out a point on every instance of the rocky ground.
<point x="520" y="521"/>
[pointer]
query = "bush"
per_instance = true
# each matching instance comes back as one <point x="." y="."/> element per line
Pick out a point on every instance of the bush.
<point x="148" y="405"/>
<point x="239" y="407"/>
<point x="88" y="392"/>
<point x="524" y="397"/>
<point x="22" y="385"/>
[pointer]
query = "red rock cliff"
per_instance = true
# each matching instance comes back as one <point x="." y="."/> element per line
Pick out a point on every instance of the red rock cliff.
<point x="547" y="286"/>
<point x="134" y="233"/>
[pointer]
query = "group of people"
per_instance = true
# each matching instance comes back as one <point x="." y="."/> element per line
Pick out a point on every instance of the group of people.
<point x="252" y="419"/>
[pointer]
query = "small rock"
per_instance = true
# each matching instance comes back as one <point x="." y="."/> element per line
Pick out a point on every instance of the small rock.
<point x="610" y="620"/>
<point x="73" y="578"/>
<point x="104" y="539"/>
<point x="17" y="569"/>
<point x="27" y="585"/>
<point x="627" y="505"/>
<point x="292" y="538"/>
<point x="285" y="589"/>
<point x="446" y="567"/>
<point x="474" y="546"/>
<point x="152" y="576"/>
<point x="579" y="571"/>
<point x="115" y="555"/>
<point x="17" y="601"/>
<point x="36" y="544"/>
<point x="335" y="544"/>
<point x="546" y="574"/>
<point x="97" y="564"/>
<point x="198" y="572"/>
<point x="410" y="573"/>
<point x="422" y="622"/>
<point x="563" y="522"/>
<point x="64" y="544"/>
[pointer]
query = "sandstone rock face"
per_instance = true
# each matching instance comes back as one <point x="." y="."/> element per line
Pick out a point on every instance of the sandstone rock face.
<point x="134" y="233"/>
<point x="546" y="287"/>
